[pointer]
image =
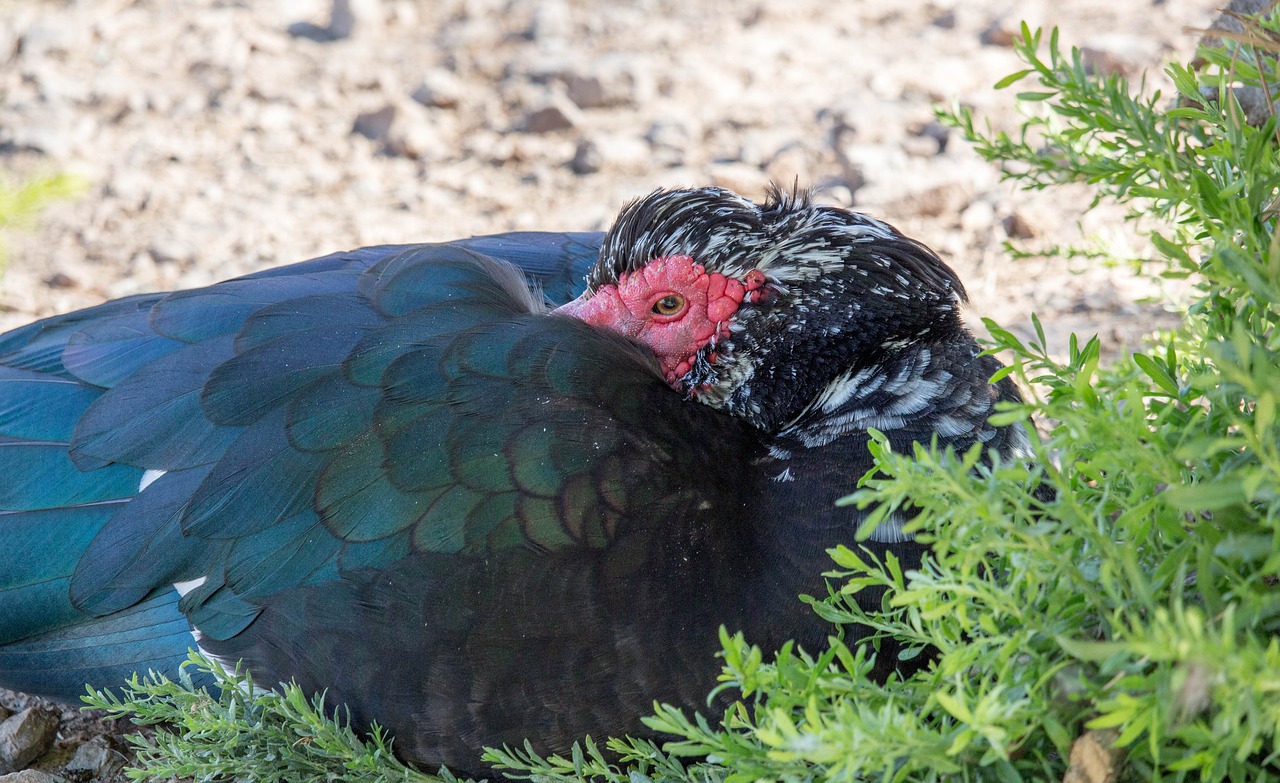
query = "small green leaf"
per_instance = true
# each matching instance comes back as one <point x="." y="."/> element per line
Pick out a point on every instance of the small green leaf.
<point x="1011" y="78"/>
<point x="1206" y="496"/>
<point x="1157" y="373"/>
<point x="954" y="706"/>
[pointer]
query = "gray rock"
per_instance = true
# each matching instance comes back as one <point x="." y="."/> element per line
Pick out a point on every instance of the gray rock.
<point x="170" y="249"/>
<point x="375" y="125"/>
<point x="1001" y="32"/>
<point x="52" y="128"/>
<point x="1017" y="226"/>
<point x="552" y="21"/>
<point x="586" y="158"/>
<point x="586" y="91"/>
<point x="1229" y="22"/>
<point x="309" y="30"/>
<point x="556" y="113"/>
<point x="416" y="136"/>
<point x="346" y="15"/>
<point x="439" y="89"/>
<point x="1253" y="100"/>
<point x="31" y="776"/>
<point x="936" y="132"/>
<point x="611" y="80"/>
<point x="406" y="129"/>
<point x="670" y="140"/>
<point x="546" y="119"/>
<point x="94" y="759"/>
<point x="26" y="735"/>
<point x="1258" y="107"/>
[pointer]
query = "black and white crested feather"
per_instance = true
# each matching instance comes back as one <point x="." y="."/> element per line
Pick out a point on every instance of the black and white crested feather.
<point x="848" y="296"/>
<point x="717" y="227"/>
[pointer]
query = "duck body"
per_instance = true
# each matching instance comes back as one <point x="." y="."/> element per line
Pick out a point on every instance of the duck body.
<point x="501" y="488"/>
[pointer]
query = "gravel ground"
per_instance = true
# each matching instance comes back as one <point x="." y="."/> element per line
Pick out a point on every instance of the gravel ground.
<point x="219" y="137"/>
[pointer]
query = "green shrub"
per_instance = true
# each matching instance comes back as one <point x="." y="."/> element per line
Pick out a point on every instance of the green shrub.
<point x="246" y="733"/>
<point x="1135" y="615"/>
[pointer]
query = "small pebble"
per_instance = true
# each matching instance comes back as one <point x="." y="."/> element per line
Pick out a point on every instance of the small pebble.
<point x="1001" y="32"/>
<point x="375" y="125"/>
<point x="439" y="89"/>
<point x="587" y="92"/>
<point x="586" y="158"/>
<point x="558" y="113"/>
<point x="1017" y="227"/>
<point x="345" y="16"/>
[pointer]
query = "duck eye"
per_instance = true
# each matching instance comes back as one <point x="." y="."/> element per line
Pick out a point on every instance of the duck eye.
<point x="669" y="304"/>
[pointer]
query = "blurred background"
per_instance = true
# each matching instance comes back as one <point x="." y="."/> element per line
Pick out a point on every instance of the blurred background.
<point x="217" y="137"/>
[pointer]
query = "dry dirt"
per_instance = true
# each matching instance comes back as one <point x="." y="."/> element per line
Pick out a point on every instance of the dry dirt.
<point x="219" y="137"/>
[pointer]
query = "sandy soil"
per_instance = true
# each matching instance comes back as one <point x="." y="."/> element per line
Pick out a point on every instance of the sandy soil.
<point x="218" y="137"/>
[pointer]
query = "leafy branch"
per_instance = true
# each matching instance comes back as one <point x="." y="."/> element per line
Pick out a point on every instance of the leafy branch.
<point x="240" y="732"/>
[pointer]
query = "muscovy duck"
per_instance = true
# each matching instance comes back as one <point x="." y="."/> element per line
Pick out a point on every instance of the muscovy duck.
<point x="403" y="475"/>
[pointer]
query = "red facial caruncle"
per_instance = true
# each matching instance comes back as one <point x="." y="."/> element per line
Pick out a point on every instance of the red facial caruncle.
<point x="672" y="305"/>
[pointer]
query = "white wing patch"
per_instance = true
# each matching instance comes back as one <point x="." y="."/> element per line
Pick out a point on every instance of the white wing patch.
<point x="840" y="390"/>
<point x="185" y="587"/>
<point x="148" y="478"/>
<point x="890" y="531"/>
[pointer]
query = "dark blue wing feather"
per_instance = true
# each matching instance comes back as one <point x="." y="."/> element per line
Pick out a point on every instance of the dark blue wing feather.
<point x="40" y="406"/>
<point x="153" y="418"/>
<point x="142" y="547"/>
<point x="41" y="475"/>
<point x="204" y="313"/>
<point x="39" y="346"/>
<point x="329" y="413"/>
<point x="557" y="262"/>
<point x="267" y="375"/>
<point x="149" y="635"/>
<point x="344" y="416"/>
<point x="259" y="481"/>
<point x="34" y="590"/>
<point x="297" y="551"/>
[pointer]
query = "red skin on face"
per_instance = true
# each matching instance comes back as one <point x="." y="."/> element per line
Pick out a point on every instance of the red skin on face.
<point x="710" y="302"/>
